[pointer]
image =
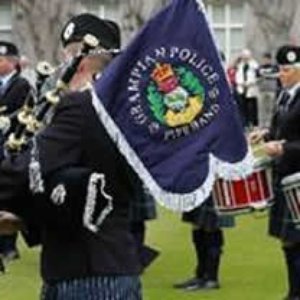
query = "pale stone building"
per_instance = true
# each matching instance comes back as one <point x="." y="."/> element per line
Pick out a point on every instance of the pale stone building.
<point x="260" y="25"/>
<point x="237" y="24"/>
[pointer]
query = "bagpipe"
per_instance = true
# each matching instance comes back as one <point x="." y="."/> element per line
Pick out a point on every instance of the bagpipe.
<point x="31" y="116"/>
<point x="68" y="197"/>
<point x="43" y="71"/>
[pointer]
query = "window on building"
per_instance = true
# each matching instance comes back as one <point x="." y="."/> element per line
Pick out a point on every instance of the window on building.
<point x="5" y="20"/>
<point x="228" y="24"/>
<point x="108" y="9"/>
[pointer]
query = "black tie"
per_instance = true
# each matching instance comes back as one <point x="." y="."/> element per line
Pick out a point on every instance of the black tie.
<point x="283" y="101"/>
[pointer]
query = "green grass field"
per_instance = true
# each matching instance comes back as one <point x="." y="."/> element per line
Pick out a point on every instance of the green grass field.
<point x="252" y="265"/>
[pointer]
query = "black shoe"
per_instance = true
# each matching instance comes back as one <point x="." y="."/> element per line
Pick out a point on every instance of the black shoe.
<point x="211" y="285"/>
<point x="189" y="283"/>
<point x="203" y="285"/>
<point x="11" y="255"/>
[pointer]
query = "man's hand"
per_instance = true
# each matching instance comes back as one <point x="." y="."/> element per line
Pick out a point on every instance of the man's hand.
<point x="274" y="148"/>
<point x="257" y="136"/>
<point x="9" y="223"/>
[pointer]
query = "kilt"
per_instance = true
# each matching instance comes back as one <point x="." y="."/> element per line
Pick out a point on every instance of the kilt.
<point x="280" y="224"/>
<point x="206" y="217"/>
<point x="94" y="288"/>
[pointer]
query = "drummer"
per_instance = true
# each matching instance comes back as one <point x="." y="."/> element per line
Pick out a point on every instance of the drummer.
<point x="283" y="145"/>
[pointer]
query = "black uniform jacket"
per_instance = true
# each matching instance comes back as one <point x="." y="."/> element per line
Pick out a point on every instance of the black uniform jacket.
<point x="286" y="126"/>
<point x="76" y="138"/>
<point x="14" y="94"/>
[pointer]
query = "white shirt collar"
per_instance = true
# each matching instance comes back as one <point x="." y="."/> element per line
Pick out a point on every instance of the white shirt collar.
<point x="292" y="90"/>
<point x="5" y="79"/>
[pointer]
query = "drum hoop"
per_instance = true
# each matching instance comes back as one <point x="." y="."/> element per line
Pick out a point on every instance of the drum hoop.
<point x="293" y="179"/>
<point x="287" y="187"/>
<point x="233" y="211"/>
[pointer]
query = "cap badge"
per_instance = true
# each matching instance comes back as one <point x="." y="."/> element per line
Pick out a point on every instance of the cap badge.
<point x="291" y="56"/>
<point x="69" y="31"/>
<point x="3" y="50"/>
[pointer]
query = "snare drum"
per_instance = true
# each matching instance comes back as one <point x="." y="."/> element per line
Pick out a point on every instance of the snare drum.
<point x="245" y="194"/>
<point x="291" y="190"/>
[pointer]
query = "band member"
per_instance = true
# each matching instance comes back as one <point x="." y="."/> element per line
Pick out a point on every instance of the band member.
<point x="142" y="206"/>
<point x="269" y="86"/>
<point x="283" y="144"/>
<point x="208" y="242"/>
<point x="13" y="91"/>
<point x="95" y="258"/>
<point x="13" y="87"/>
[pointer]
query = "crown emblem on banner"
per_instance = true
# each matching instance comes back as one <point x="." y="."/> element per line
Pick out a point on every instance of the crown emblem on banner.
<point x="162" y="72"/>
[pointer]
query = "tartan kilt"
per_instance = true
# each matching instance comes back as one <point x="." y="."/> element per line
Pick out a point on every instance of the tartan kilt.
<point x="280" y="222"/>
<point x="94" y="288"/>
<point x="206" y="217"/>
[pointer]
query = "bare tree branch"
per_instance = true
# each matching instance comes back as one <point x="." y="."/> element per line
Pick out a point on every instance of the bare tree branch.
<point x="135" y="13"/>
<point x="273" y="24"/>
<point x="24" y="4"/>
<point x="37" y="24"/>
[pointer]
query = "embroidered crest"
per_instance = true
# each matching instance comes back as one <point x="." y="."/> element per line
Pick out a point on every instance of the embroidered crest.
<point x="173" y="92"/>
<point x="175" y="95"/>
<point x="69" y="31"/>
<point x="58" y="195"/>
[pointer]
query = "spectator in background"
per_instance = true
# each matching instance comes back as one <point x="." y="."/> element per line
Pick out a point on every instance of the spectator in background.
<point x="268" y="87"/>
<point x="231" y="72"/>
<point x="247" y="88"/>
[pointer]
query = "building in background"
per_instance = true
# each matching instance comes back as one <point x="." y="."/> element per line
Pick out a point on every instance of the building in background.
<point x="227" y="19"/>
<point x="5" y="20"/>
<point x="259" y="25"/>
<point x="228" y="22"/>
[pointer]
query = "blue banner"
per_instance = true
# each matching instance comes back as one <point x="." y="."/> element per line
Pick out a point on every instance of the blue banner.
<point x="167" y="104"/>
